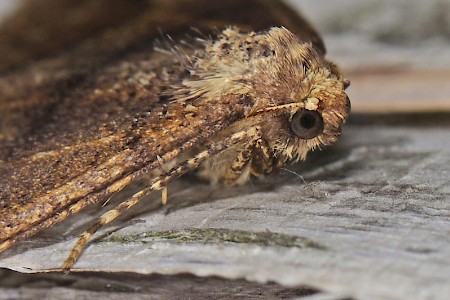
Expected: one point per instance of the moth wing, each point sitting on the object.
(61, 171)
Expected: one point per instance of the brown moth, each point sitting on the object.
(237, 104)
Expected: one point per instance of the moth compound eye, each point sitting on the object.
(307, 124)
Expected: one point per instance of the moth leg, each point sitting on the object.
(164, 189)
(156, 184)
(256, 152)
(243, 158)
(263, 159)
(164, 195)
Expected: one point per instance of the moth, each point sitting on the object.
(233, 105)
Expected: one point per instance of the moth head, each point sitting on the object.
(292, 92)
(300, 93)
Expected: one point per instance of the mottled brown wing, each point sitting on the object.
(81, 102)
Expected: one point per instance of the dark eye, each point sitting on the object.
(307, 124)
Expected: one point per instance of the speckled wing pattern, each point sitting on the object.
(78, 124)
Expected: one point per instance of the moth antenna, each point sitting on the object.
(164, 196)
(164, 192)
(156, 184)
(288, 106)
